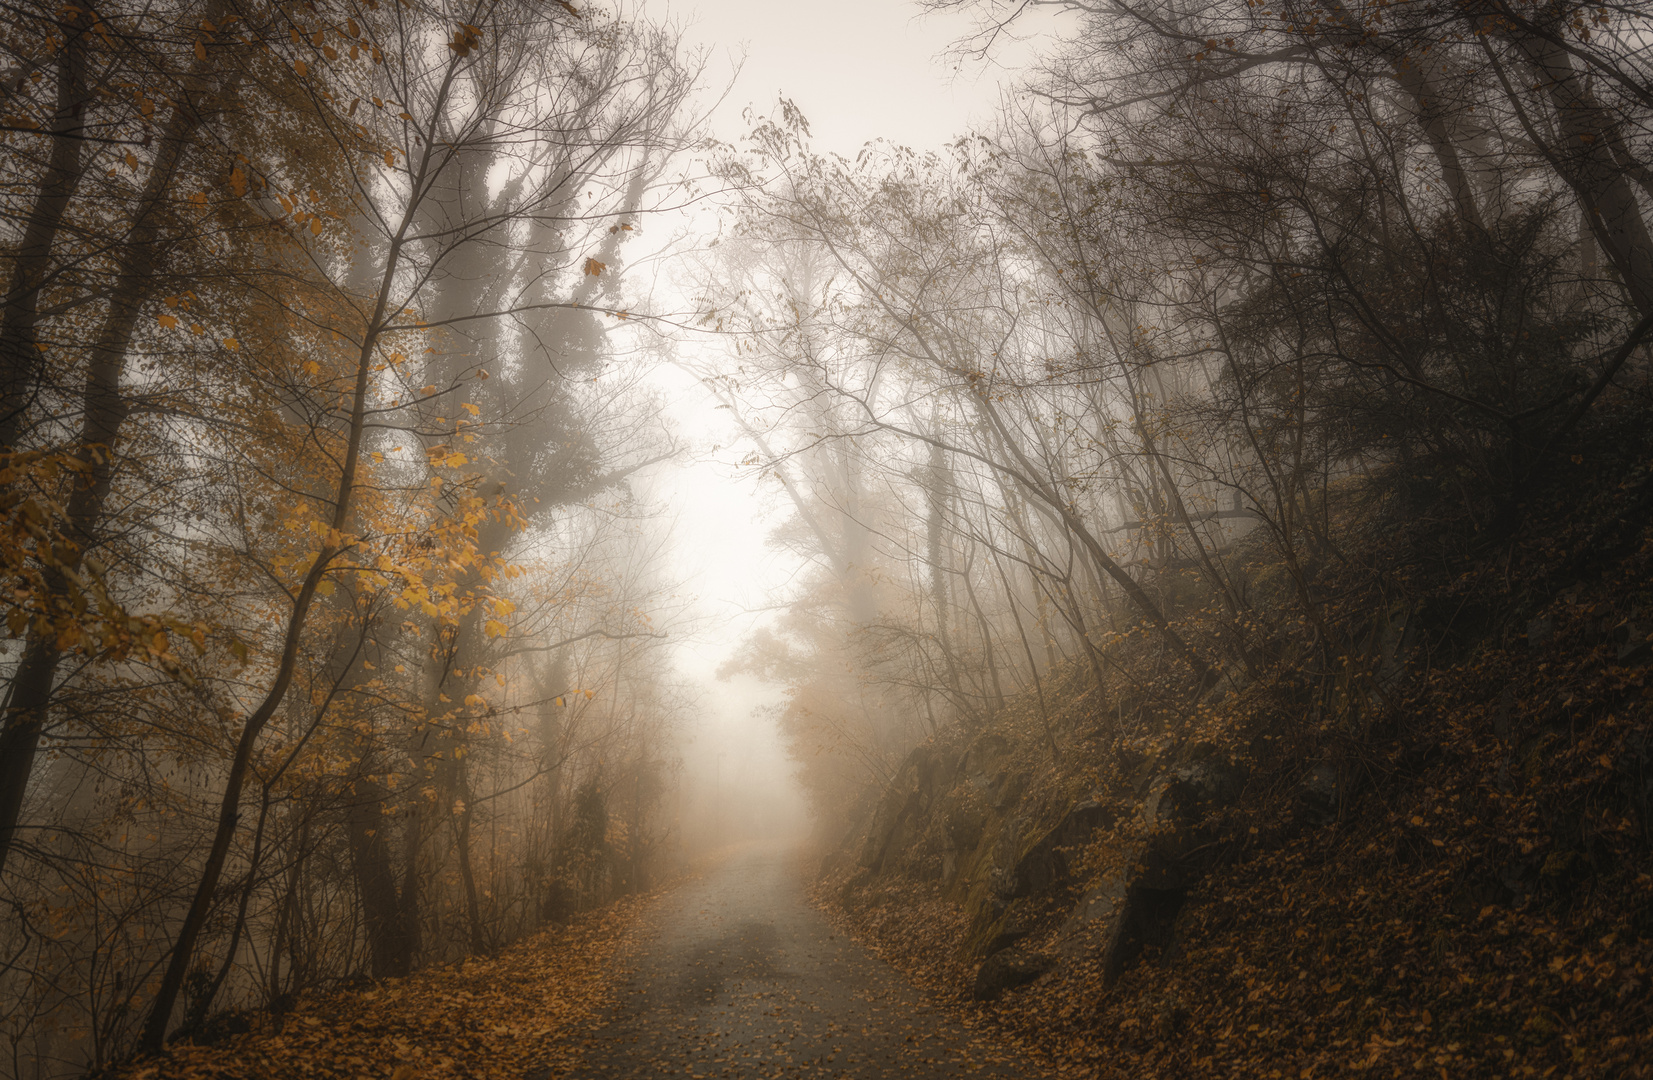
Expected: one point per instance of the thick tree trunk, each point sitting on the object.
(20, 354)
(104, 410)
(1584, 159)
(375, 881)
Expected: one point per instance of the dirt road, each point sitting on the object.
(738, 976)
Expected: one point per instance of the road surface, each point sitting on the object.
(737, 976)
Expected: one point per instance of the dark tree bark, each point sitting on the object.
(32, 265)
(104, 410)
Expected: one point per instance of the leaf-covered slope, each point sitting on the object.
(1463, 887)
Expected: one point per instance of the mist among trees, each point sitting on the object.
(1236, 421)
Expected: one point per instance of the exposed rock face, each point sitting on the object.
(903, 812)
(1006, 849)
(1007, 970)
(1135, 905)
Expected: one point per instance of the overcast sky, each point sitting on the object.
(859, 69)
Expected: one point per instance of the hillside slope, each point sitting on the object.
(1451, 880)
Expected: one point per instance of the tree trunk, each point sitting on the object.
(229, 812)
(375, 882)
(20, 354)
(1584, 159)
(104, 410)
(467, 873)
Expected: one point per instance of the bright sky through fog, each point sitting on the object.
(859, 70)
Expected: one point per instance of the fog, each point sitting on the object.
(739, 782)
(867, 70)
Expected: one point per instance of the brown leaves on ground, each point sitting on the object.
(509, 1016)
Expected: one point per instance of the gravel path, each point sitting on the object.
(736, 975)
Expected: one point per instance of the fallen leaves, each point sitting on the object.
(506, 1017)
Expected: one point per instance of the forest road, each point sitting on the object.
(738, 976)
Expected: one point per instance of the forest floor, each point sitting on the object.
(730, 972)
(513, 1016)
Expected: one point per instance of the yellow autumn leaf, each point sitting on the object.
(231, 344)
(301, 68)
(494, 628)
(315, 226)
(593, 268)
(324, 588)
(428, 390)
(476, 701)
(455, 460)
(168, 321)
(472, 409)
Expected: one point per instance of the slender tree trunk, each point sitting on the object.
(202, 1008)
(1070, 520)
(986, 639)
(467, 873)
(1033, 665)
(937, 490)
(285, 916)
(229, 812)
